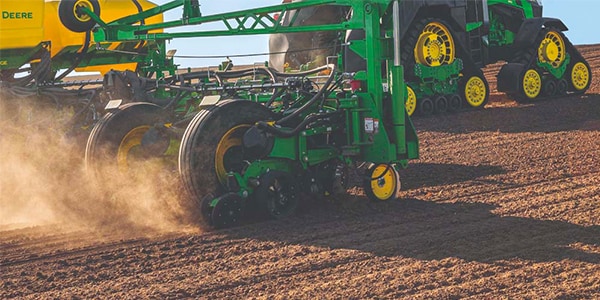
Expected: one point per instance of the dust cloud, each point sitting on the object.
(43, 179)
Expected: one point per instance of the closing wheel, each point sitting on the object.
(531, 84)
(552, 49)
(475, 91)
(228, 211)
(71, 14)
(425, 107)
(382, 182)
(580, 77)
(411, 101)
(211, 147)
(435, 46)
(277, 194)
(120, 138)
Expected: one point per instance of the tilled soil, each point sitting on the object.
(504, 203)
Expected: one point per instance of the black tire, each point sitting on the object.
(454, 103)
(425, 107)
(562, 87)
(441, 105)
(199, 145)
(550, 88)
(105, 139)
(277, 194)
(228, 212)
(70, 18)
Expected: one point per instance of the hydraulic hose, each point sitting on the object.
(290, 133)
(310, 102)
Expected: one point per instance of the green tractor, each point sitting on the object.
(253, 140)
(446, 43)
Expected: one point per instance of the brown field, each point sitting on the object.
(504, 203)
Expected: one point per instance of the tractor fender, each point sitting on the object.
(531, 27)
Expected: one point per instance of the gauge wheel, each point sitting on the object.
(72, 17)
(115, 142)
(212, 146)
(382, 182)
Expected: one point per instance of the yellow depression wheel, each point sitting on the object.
(128, 146)
(475, 91)
(532, 84)
(411, 101)
(552, 49)
(229, 151)
(382, 183)
(435, 46)
(580, 76)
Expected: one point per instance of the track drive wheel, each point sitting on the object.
(551, 49)
(277, 194)
(211, 147)
(71, 15)
(475, 91)
(411, 101)
(116, 140)
(580, 77)
(382, 182)
(435, 45)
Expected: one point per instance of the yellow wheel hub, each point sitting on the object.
(128, 146)
(230, 140)
(552, 49)
(81, 4)
(384, 182)
(580, 76)
(435, 46)
(532, 84)
(411, 101)
(475, 91)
